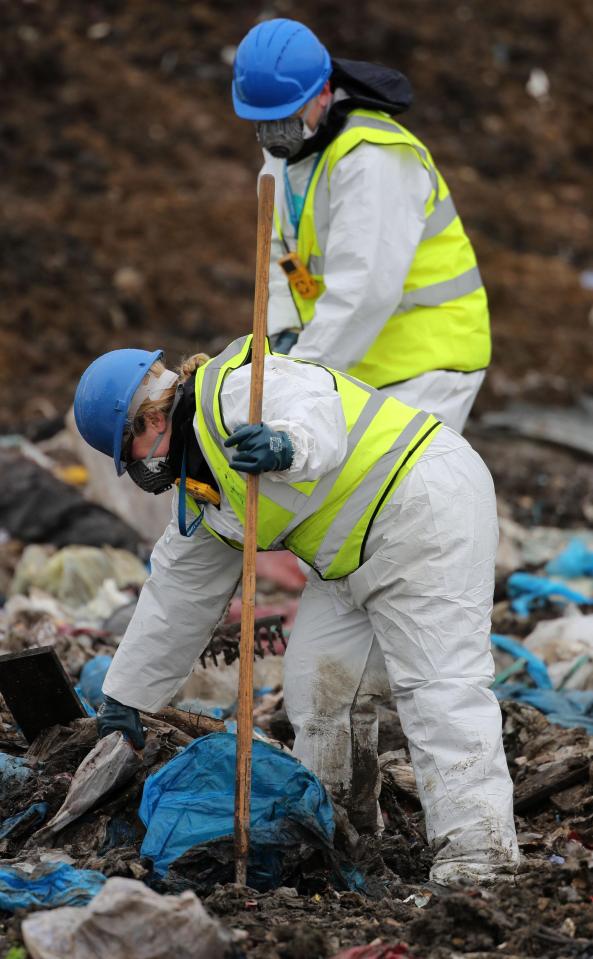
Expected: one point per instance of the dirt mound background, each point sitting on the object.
(127, 201)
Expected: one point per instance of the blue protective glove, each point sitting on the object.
(285, 341)
(260, 449)
(112, 716)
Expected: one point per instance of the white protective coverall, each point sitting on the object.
(377, 204)
(420, 604)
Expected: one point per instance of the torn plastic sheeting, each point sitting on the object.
(528, 592)
(92, 677)
(32, 816)
(111, 763)
(48, 885)
(126, 920)
(569, 709)
(190, 801)
(535, 666)
(14, 771)
(576, 560)
(89, 710)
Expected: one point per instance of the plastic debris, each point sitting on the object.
(576, 560)
(75, 574)
(112, 762)
(528, 592)
(190, 801)
(126, 920)
(31, 816)
(92, 677)
(533, 664)
(48, 884)
(564, 708)
(14, 771)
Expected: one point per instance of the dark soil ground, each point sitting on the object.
(127, 202)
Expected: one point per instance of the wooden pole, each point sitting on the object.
(265, 212)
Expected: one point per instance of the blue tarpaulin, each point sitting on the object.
(527, 592)
(190, 801)
(51, 885)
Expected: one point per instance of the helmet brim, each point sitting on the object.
(120, 465)
(248, 111)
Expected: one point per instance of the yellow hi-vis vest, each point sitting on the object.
(326, 521)
(442, 321)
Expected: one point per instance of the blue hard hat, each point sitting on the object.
(280, 65)
(104, 394)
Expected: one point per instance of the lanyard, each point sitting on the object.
(181, 506)
(294, 202)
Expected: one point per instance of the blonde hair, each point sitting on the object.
(190, 364)
(163, 404)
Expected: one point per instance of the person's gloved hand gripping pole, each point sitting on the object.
(260, 449)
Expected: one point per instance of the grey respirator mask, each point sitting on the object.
(281, 138)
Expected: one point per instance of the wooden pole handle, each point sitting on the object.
(265, 212)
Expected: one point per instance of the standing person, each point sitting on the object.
(397, 515)
(372, 271)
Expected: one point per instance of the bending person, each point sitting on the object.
(394, 511)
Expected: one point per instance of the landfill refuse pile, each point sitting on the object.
(95, 835)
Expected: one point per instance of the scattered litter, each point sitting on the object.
(91, 679)
(75, 574)
(533, 664)
(564, 708)
(47, 884)
(126, 920)
(36, 507)
(528, 592)
(32, 816)
(576, 560)
(112, 763)
(14, 771)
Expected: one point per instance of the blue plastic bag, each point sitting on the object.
(50, 885)
(535, 666)
(190, 801)
(14, 771)
(576, 560)
(92, 677)
(32, 815)
(528, 592)
(564, 708)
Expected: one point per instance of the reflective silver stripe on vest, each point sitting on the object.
(209, 384)
(438, 293)
(282, 494)
(325, 484)
(442, 216)
(354, 508)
